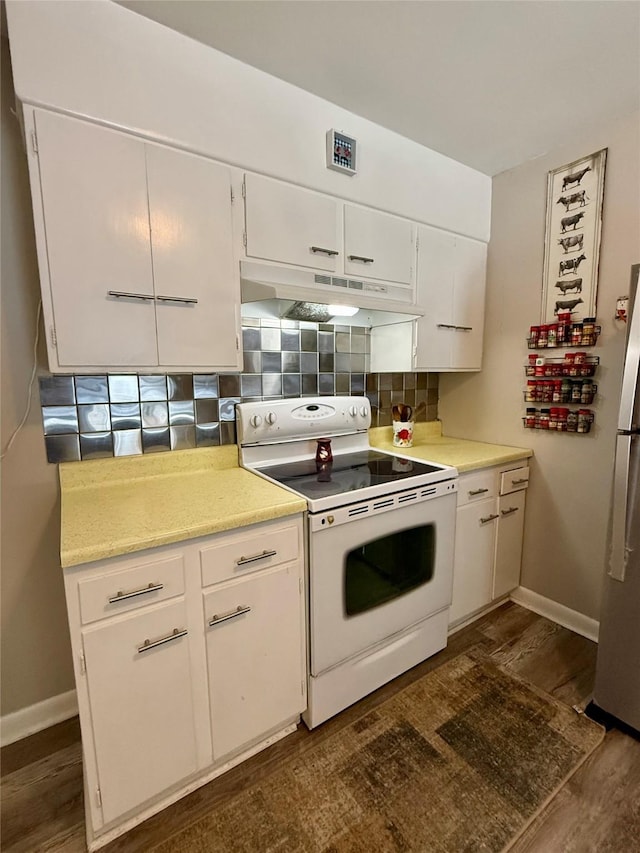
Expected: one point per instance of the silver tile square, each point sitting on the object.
(357, 383)
(343, 384)
(343, 362)
(326, 362)
(205, 385)
(271, 362)
(59, 420)
(343, 342)
(252, 362)
(270, 340)
(92, 389)
(271, 384)
(125, 416)
(309, 383)
(270, 322)
(229, 384)
(62, 448)
(207, 435)
(308, 362)
(309, 340)
(127, 442)
(251, 339)
(228, 433)
(357, 363)
(251, 321)
(56, 391)
(154, 415)
(181, 413)
(291, 385)
(94, 418)
(326, 342)
(123, 388)
(291, 362)
(358, 343)
(182, 437)
(250, 386)
(96, 445)
(155, 440)
(228, 408)
(307, 324)
(180, 386)
(206, 411)
(290, 340)
(152, 387)
(290, 324)
(326, 384)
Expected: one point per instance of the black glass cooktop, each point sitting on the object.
(348, 472)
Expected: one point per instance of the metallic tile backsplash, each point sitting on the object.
(87, 417)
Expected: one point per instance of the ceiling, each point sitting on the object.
(490, 83)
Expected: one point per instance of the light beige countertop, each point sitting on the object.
(430, 445)
(117, 506)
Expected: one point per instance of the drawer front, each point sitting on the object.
(137, 585)
(513, 481)
(477, 487)
(236, 555)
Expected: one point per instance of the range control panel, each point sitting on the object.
(281, 420)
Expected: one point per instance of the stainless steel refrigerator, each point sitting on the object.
(617, 687)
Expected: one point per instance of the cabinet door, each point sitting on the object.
(197, 286)
(142, 707)
(378, 245)
(473, 559)
(434, 294)
(96, 222)
(468, 303)
(254, 657)
(291, 225)
(509, 543)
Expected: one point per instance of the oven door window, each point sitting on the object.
(388, 568)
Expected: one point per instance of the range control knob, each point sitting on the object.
(353, 411)
(364, 411)
(271, 418)
(255, 420)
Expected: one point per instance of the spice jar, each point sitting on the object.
(576, 334)
(576, 393)
(530, 420)
(588, 331)
(572, 421)
(565, 396)
(530, 394)
(547, 392)
(563, 416)
(543, 337)
(539, 366)
(553, 418)
(557, 390)
(580, 358)
(586, 395)
(534, 334)
(544, 418)
(585, 417)
(552, 334)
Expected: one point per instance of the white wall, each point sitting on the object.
(99, 60)
(568, 500)
(36, 652)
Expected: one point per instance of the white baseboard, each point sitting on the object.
(578, 622)
(35, 718)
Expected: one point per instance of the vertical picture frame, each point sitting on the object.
(575, 194)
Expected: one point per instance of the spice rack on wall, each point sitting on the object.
(562, 383)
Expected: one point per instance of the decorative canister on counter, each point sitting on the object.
(402, 433)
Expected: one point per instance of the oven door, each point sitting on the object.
(374, 574)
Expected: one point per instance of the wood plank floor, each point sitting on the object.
(597, 810)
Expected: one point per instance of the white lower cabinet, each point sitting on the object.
(168, 700)
(254, 637)
(488, 543)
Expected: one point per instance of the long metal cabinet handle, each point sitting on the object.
(319, 250)
(445, 326)
(491, 517)
(226, 616)
(263, 556)
(477, 492)
(361, 258)
(509, 511)
(519, 482)
(185, 299)
(464, 328)
(174, 635)
(122, 596)
(125, 294)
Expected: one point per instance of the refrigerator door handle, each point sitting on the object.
(621, 510)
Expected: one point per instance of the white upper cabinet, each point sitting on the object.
(291, 225)
(451, 279)
(378, 245)
(135, 251)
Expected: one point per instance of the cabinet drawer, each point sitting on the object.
(135, 586)
(513, 481)
(237, 555)
(477, 487)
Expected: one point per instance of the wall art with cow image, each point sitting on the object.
(575, 195)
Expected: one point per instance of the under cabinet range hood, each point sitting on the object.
(279, 292)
